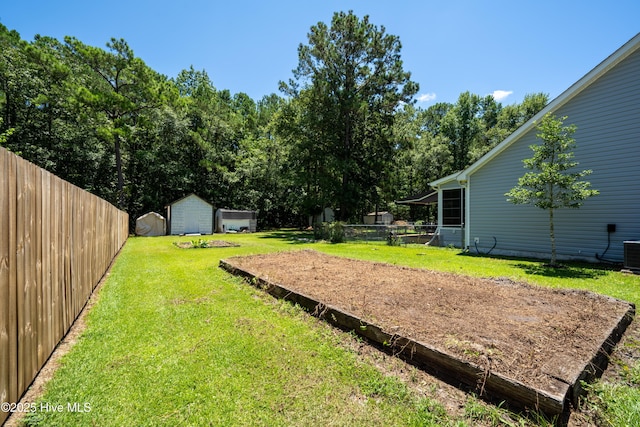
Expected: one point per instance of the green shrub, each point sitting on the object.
(199, 243)
(330, 231)
(393, 239)
(336, 232)
(321, 231)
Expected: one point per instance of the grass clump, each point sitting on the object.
(616, 405)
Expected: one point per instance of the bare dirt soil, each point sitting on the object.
(531, 334)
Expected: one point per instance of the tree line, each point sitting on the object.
(344, 133)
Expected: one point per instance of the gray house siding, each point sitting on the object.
(607, 115)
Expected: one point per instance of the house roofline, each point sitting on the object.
(612, 60)
(449, 178)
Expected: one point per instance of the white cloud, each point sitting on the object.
(426, 97)
(499, 95)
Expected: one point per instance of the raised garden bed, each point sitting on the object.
(527, 345)
(201, 243)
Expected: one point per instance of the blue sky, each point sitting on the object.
(507, 48)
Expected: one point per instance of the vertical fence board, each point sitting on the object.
(21, 280)
(75, 256)
(13, 277)
(55, 259)
(46, 319)
(37, 278)
(8, 327)
(31, 367)
(56, 242)
(4, 282)
(67, 206)
(27, 295)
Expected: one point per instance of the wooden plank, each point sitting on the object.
(8, 330)
(32, 250)
(39, 324)
(67, 207)
(46, 328)
(56, 296)
(554, 400)
(21, 269)
(4, 281)
(78, 259)
(81, 257)
(88, 240)
(105, 233)
(91, 236)
(29, 343)
(13, 279)
(598, 363)
(72, 220)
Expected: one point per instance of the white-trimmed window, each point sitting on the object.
(453, 207)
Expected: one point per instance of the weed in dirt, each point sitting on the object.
(200, 243)
(481, 413)
(429, 412)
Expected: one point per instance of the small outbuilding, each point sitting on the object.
(151, 224)
(327, 215)
(190, 215)
(229, 220)
(384, 218)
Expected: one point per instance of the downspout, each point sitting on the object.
(464, 236)
(439, 227)
(467, 213)
(168, 220)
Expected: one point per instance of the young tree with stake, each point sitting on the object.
(552, 182)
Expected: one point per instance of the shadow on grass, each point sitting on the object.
(292, 236)
(567, 270)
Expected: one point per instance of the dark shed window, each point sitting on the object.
(452, 207)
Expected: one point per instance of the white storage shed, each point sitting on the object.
(384, 218)
(235, 220)
(327, 215)
(190, 215)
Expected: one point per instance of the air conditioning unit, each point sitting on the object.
(632, 254)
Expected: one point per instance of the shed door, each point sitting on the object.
(191, 223)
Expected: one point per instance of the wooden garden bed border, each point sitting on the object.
(492, 385)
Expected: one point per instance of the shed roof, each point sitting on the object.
(234, 210)
(187, 196)
(236, 214)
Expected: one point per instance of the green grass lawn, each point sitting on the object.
(174, 340)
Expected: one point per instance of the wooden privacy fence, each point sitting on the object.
(56, 243)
